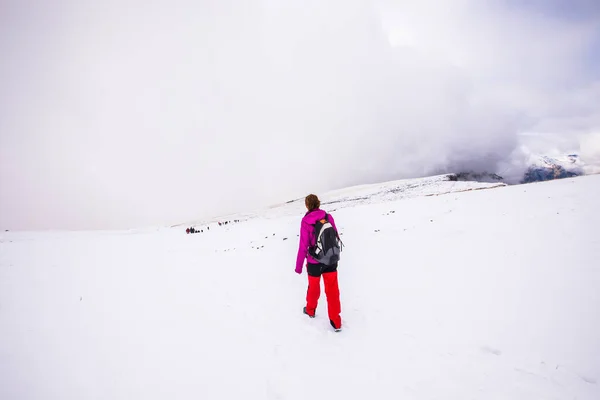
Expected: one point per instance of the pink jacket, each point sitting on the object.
(307, 238)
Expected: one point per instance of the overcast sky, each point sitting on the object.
(123, 113)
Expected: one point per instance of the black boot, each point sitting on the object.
(334, 327)
(304, 311)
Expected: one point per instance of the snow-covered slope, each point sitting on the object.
(365, 194)
(488, 294)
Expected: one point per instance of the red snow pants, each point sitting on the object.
(332, 292)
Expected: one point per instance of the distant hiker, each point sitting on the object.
(319, 246)
(187, 230)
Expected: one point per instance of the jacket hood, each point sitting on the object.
(313, 216)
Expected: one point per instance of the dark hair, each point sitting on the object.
(312, 202)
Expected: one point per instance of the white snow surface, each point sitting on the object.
(487, 294)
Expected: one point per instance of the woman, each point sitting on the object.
(314, 268)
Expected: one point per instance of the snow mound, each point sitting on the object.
(375, 194)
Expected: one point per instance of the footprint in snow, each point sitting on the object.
(490, 350)
(587, 379)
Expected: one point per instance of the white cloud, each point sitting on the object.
(127, 113)
(590, 151)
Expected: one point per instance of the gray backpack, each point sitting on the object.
(328, 245)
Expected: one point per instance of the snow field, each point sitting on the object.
(490, 294)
